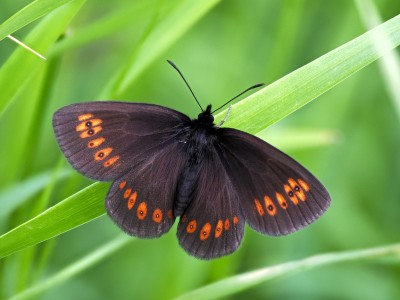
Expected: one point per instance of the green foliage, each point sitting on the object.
(117, 50)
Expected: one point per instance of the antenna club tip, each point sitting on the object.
(171, 63)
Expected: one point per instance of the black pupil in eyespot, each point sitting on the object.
(297, 188)
(290, 194)
(101, 154)
(88, 124)
(90, 131)
(270, 207)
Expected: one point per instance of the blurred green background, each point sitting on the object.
(354, 145)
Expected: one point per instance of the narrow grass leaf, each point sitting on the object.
(235, 284)
(169, 30)
(17, 194)
(75, 268)
(390, 62)
(28, 14)
(23, 64)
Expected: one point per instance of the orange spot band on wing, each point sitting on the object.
(91, 132)
(235, 220)
(127, 193)
(88, 124)
(304, 185)
(191, 226)
(269, 204)
(281, 200)
(95, 143)
(259, 207)
(111, 161)
(142, 211)
(132, 200)
(85, 117)
(227, 224)
(122, 185)
(170, 214)
(218, 229)
(297, 189)
(157, 215)
(103, 153)
(205, 231)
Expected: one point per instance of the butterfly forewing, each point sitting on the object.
(213, 223)
(278, 195)
(103, 140)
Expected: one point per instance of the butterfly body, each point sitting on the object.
(198, 137)
(166, 166)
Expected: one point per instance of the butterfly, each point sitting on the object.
(164, 165)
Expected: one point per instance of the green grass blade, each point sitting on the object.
(256, 112)
(164, 35)
(23, 64)
(114, 22)
(75, 268)
(235, 284)
(291, 92)
(390, 63)
(17, 194)
(76, 210)
(28, 14)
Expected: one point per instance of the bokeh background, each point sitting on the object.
(352, 146)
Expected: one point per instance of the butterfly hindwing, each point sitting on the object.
(141, 201)
(102, 140)
(278, 195)
(213, 224)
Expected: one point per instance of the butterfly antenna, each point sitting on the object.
(180, 73)
(245, 91)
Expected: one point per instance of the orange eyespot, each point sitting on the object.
(227, 224)
(291, 194)
(85, 117)
(95, 143)
(205, 231)
(191, 227)
(269, 204)
(111, 161)
(88, 124)
(142, 211)
(103, 153)
(218, 229)
(91, 132)
(235, 220)
(157, 215)
(132, 200)
(122, 185)
(281, 200)
(304, 185)
(259, 207)
(127, 193)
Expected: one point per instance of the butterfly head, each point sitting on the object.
(206, 117)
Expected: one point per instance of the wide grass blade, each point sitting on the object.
(76, 210)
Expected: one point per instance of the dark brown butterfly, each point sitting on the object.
(164, 165)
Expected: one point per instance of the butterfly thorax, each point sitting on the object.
(201, 134)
